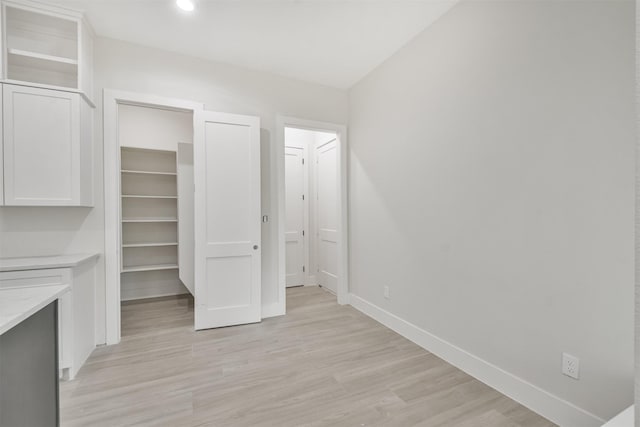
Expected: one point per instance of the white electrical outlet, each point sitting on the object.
(386, 292)
(570, 366)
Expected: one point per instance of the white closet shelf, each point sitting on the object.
(149, 219)
(42, 57)
(138, 196)
(149, 245)
(148, 172)
(149, 268)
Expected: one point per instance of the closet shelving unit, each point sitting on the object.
(149, 210)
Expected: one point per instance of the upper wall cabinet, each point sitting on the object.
(46, 161)
(46, 46)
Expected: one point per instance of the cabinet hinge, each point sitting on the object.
(303, 160)
(303, 197)
(303, 268)
(302, 233)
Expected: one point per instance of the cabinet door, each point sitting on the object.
(41, 147)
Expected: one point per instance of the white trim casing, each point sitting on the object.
(538, 400)
(111, 99)
(343, 247)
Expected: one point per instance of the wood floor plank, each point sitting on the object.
(320, 365)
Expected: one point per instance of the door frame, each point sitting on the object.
(283, 122)
(112, 236)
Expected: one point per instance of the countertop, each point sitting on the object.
(17, 304)
(43, 262)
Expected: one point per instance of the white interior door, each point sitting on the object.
(327, 218)
(294, 217)
(227, 220)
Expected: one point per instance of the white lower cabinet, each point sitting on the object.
(75, 318)
(48, 158)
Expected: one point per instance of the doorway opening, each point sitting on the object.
(146, 141)
(310, 208)
(156, 199)
(313, 206)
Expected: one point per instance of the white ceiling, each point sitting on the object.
(331, 42)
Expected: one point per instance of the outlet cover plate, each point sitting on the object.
(570, 366)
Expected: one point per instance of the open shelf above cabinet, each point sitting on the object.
(47, 46)
(42, 57)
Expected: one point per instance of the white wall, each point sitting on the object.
(491, 187)
(224, 88)
(153, 128)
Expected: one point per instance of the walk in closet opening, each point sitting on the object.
(156, 214)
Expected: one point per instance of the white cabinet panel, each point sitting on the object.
(45, 161)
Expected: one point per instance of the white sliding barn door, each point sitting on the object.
(227, 220)
(294, 217)
(327, 214)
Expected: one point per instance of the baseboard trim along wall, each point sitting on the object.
(542, 402)
(272, 310)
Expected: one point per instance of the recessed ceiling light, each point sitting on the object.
(185, 5)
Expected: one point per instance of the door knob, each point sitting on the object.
(255, 247)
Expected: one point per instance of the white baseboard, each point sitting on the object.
(273, 310)
(538, 400)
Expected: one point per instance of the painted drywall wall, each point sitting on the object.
(124, 66)
(153, 128)
(491, 188)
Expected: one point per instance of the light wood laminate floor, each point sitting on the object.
(320, 365)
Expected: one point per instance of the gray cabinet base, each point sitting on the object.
(29, 371)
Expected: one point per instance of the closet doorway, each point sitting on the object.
(313, 206)
(149, 203)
